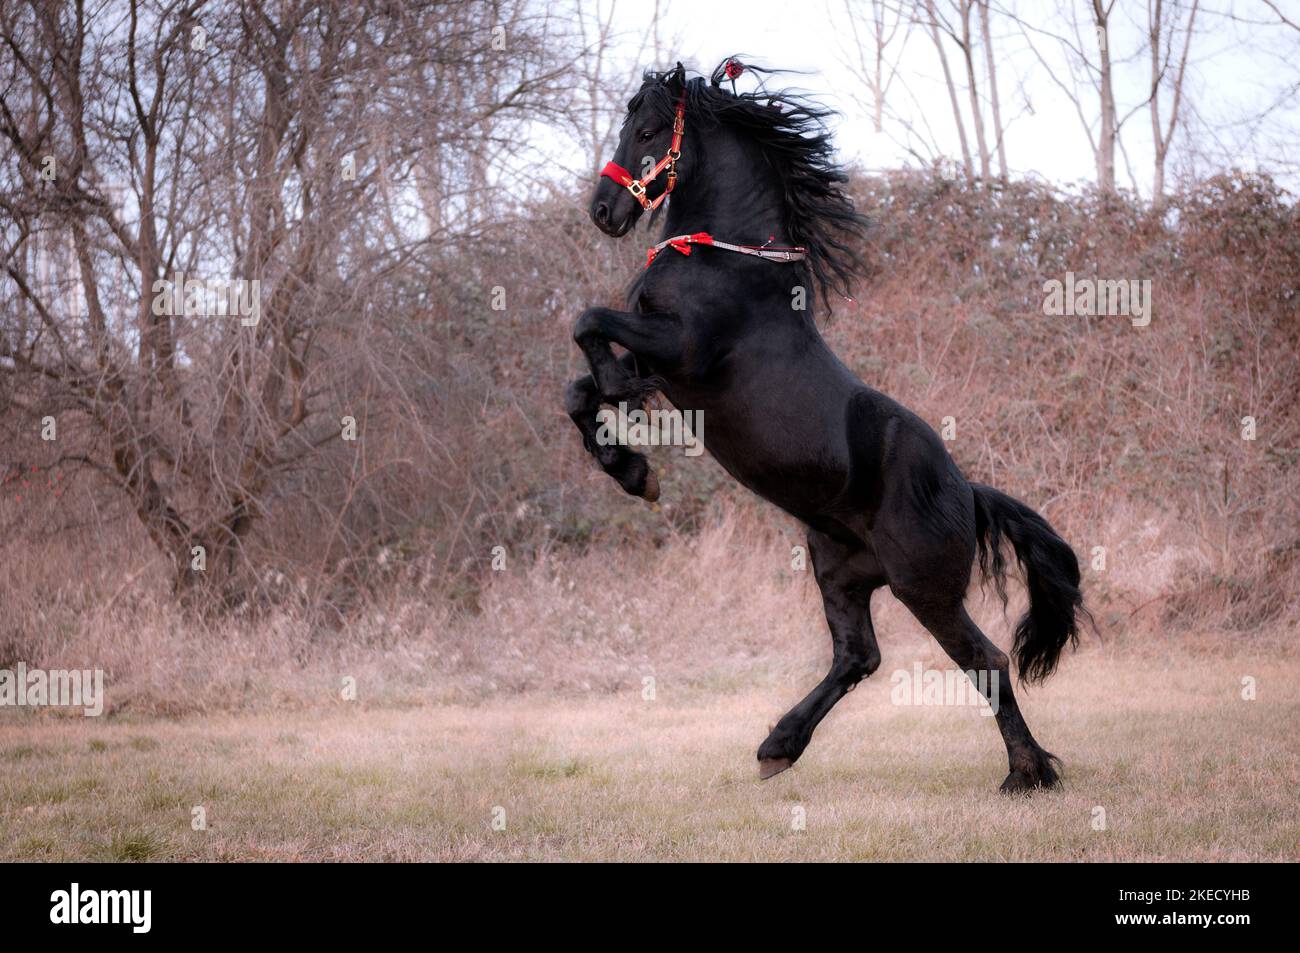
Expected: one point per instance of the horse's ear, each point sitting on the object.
(676, 80)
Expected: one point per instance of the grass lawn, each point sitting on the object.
(1181, 765)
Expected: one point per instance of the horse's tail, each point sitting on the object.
(1051, 576)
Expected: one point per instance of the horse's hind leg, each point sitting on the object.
(847, 575)
(631, 469)
(989, 668)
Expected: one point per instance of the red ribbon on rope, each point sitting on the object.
(682, 244)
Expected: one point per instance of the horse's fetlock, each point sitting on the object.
(858, 669)
(997, 660)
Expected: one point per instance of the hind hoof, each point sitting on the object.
(771, 767)
(1018, 782)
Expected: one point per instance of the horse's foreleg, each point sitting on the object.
(631, 469)
(655, 336)
(614, 380)
(847, 576)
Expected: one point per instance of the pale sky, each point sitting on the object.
(1236, 69)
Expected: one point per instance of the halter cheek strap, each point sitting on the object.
(637, 187)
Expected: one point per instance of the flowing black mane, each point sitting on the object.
(791, 130)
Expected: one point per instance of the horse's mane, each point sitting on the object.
(791, 130)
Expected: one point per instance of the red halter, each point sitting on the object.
(683, 243)
(637, 187)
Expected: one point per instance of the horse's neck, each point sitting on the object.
(736, 199)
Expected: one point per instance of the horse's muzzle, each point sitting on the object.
(613, 211)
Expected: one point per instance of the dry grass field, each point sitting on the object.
(1184, 768)
(534, 704)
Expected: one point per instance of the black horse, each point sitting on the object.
(719, 330)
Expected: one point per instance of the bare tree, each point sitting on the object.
(609, 71)
(1165, 72)
(1105, 147)
(876, 28)
(990, 61)
(1088, 62)
(199, 287)
(932, 22)
(967, 48)
(952, 24)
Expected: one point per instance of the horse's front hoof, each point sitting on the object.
(651, 491)
(634, 474)
(771, 767)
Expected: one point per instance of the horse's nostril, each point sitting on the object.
(602, 214)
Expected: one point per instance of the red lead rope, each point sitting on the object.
(683, 243)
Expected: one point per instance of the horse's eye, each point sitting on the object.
(645, 135)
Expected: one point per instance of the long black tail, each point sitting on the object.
(1051, 576)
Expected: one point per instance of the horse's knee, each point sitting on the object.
(588, 324)
(579, 395)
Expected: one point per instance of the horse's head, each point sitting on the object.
(768, 157)
(645, 165)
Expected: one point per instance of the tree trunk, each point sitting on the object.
(1106, 139)
(952, 89)
(998, 131)
(977, 114)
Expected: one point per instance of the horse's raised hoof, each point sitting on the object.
(634, 474)
(771, 767)
(651, 491)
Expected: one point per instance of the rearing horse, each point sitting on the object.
(757, 214)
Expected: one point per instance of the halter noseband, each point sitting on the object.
(637, 187)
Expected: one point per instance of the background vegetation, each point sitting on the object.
(429, 297)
